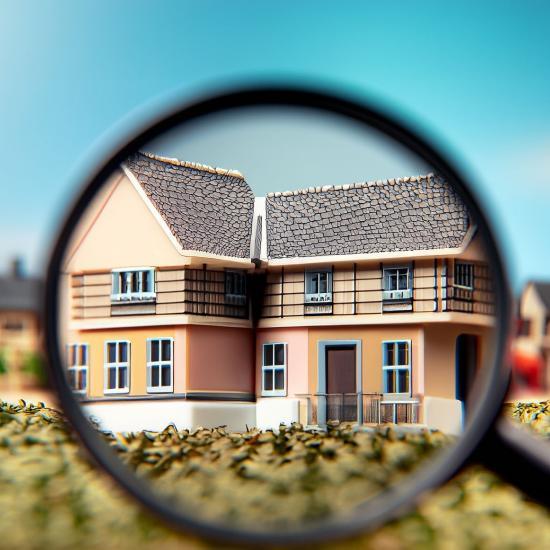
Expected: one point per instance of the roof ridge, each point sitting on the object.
(194, 165)
(345, 187)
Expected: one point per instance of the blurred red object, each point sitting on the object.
(527, 369)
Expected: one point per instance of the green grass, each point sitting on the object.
(51, 496)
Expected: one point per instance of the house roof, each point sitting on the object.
(20, 294)
(412, 213)
(212, 210)
(543, 290)
(207, 209)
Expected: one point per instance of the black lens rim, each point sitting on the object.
(389, 503)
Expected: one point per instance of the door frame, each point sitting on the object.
(322, 346)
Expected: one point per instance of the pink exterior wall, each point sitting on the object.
(297, 357)
(220, 359)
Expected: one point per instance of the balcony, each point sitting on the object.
(358, 408)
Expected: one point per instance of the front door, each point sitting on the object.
(341, 383)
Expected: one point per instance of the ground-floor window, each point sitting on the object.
(397, 367)
(117, 366)
(77, 366)
(274, 369)
(160, 353)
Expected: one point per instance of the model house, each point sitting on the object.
(191, 301)
(20, 298)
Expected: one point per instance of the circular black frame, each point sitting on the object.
(382, 507)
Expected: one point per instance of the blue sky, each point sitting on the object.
(474, 76)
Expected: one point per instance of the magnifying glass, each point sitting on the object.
(293, 347)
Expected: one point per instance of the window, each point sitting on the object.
(397, 283)
(235, 287)
(397, 367)
(77, 366)
(318, 286)
(13, 325)
(133, 284)
(274, 370)
(160, 353)
(464, 275)
(117, 367)
(524, 327)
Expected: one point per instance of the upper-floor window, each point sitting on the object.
(160, 371)
(274, 369)
(235, 287)
(524, 327)
(396, 367)
(117, 366)
(133, 284)
(13, 325)
(77, 366)
(318, 286)
(464, 275)
(397, 283)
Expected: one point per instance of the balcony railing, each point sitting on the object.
(360, 408)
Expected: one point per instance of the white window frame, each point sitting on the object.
(397, 293)
(273, 368)
(117, 365)
(138, 295)
(160, 363)
(318, 297)
(77, 368)
(407, 367)
(471, 274)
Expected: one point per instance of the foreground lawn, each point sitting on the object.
(50, 495)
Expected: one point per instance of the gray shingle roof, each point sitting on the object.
(418, 213)
(207, 209)
(20, 294)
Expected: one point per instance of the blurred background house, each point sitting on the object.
(21, 363)
(531, 349)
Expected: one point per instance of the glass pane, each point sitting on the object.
(323, 282)
(154, 350)
(389, 358)
(389, 384)
(123, 352)
(403, 381)
(134, 283)
(83, 379)
(403, 279)
(268, 355)
(83, 355)
(145, 281)
(155, 376)
(122, 377)
(166, 376)
(402, 353)
(72, 379)
(123, 283)
(111, 383)
(111, 353)
(279, 354)
(312, 283)
(268, 380)
(166, 350)
(279, 379)
(72, 355)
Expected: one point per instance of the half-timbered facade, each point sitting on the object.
(192, 300)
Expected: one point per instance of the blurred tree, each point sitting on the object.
(3, 362)
(33, 364)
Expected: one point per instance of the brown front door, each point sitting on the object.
(341, 383)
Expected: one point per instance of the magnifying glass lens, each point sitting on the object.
(274, 316)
